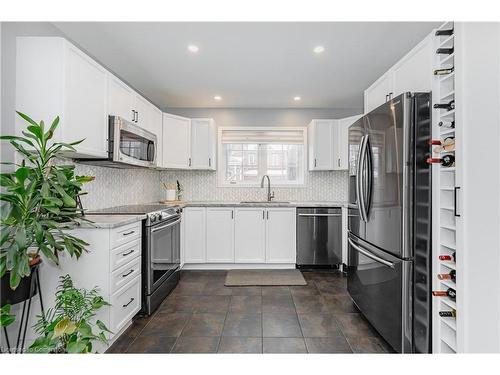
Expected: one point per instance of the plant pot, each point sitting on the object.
(22, 292)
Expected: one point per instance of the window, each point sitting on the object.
(247, 154)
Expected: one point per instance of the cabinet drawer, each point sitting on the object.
(124, 234)
(124, 254)
(124, 274)
(125, 304)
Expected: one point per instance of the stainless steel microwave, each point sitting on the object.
(128, 146)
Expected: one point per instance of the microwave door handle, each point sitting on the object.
(370, 255)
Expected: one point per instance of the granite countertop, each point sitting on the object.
(110, 221)
(276, 203)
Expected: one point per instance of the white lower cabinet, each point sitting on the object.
(112, 265)
(195, 235)
(280, 235)
(250, 235)
(239, 235)
(220, 235)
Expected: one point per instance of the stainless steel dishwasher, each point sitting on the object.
(319, 237)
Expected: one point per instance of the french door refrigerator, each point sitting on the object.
(389, 214)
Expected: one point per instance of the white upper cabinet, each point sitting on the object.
(341, 142)
(203, 143)
(120, 99)
(320, 138)
(379, 92)
(176, 142)
(250, 235)
(54, 78)
(412, 73)
(280, 235)
(220, 235)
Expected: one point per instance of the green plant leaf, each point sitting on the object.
(6, 318)
(77, 346)
(102, 326)
(27, 118)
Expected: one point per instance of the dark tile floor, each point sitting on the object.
(203, 316)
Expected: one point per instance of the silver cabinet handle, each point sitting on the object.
(455, 201)
(128, 233)
(209, 162)
(338, 162)
(232, 214)
(370, 255)
(189, 162)
(263, 215)
(127, 253)
(267, 215)
(133, 115)
(315, 162)
(129, 302)
(136, 116)
(319, 215)
(128, 273)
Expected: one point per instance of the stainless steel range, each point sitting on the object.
(160, 250)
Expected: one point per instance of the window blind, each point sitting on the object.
(275, 135)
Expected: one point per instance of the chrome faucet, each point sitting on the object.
(270, 195)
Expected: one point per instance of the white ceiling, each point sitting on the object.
(251, 65)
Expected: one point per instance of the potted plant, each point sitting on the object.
(69, 326)
(38, 206)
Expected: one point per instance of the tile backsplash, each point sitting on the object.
(202, 186)
(115, 187)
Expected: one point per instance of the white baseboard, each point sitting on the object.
(237, 266)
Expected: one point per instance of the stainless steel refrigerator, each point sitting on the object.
(389, 240)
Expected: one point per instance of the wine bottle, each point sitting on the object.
(447, 276)
(444, 32)
(448, 106)
(448, 314)
(440, 72)
(448, 257)
(445, 51)
(446, 160)
(450, 292)
(450, 124)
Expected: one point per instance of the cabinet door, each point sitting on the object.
(280, 235)
(143, 111)
(85, 107)
(220, 235)
(200, 143)
(156, 127)
(321, 145)
(249, 235)
(376, 94)
(176, 141)
(194, 235)
(341, 142)
(120, 99)
(413, 72)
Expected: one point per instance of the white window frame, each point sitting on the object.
(221, 168)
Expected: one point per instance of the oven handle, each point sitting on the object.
(370, 255)
(166, 226)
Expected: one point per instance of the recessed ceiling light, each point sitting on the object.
(297, 98)
(192, 48)
(319, 49)
(218, 97)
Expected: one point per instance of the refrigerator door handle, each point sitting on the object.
(360, 179)
(369, 176)
(370, 255)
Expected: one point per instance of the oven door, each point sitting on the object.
(380, 285)
(163, 252)
(132, 144)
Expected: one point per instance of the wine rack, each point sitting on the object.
(444, 186)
